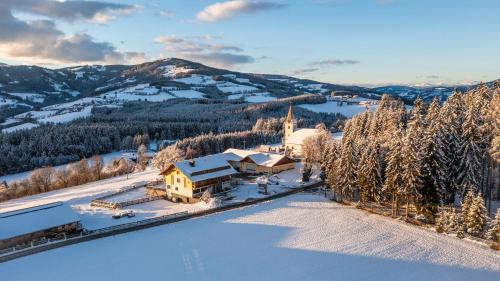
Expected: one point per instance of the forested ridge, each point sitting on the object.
(428, 158)
(111, 129)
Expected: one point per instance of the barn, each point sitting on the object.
(30, 224)
(253, 162)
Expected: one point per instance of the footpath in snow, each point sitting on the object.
(299, 237)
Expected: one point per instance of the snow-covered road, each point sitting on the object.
(300, 237)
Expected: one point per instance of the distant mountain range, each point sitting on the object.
(28, 88)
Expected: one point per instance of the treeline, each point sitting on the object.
(212, 143)
(426, 158)
(49, 179)
(111, 129)
(53, 145)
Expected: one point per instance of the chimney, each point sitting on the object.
(191, 162)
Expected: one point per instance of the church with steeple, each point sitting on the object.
(292, 136)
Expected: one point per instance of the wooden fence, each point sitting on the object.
(101, 202)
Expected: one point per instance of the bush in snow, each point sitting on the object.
(206, 196)
(442, 221)
(454, 223)
(448, 221)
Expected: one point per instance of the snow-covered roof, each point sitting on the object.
(266, 159)
(241, 153)
(299, 136)
(259, 158)
(207, 167)
(23, 221)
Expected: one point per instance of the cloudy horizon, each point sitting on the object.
(362, 42)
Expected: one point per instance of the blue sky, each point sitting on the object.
(364, 42)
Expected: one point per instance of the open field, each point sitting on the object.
(300, 237)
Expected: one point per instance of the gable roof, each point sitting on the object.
(206, 167)
(299, 136)
(28, 220)
(259, 158)
(239, 153)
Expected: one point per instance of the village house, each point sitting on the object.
(253, 162)
(293, 139)
(187, 180)
(37, 223)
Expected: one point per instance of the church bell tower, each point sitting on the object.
(288, 126)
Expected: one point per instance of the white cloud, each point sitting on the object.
(203, 49)
(334, 62)
(166, 13)
(41, 41)
(225, 10)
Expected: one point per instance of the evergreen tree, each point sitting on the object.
(394, 171)
(430, 191)
(329, 157)
(494, 229)
(472, 147)
(476, 219)
(449, 143)
(347, 169)
(466, 204)
(370, 173)
(412, 161)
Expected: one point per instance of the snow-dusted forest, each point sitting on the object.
(424, 162)
(112, 129)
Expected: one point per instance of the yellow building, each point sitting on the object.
(187, 180)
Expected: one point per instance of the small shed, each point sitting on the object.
(33, 223)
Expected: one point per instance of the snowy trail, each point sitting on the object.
(300, 237)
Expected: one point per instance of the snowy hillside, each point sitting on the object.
(26, 89)
(300, 237)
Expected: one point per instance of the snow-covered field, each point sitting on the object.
(197, 79)
(189, 94)
(229, 87)
(11, 102)
(20, 127)
(336, 107)
(253, 98)
(299, 237)
(30, 96)
(79, 197)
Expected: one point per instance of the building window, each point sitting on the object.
(176, 188)
(168, 186)
(288, 127)
(178, 180)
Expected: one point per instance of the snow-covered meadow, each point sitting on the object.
(299, 237)
(347, 110)
(79, 197)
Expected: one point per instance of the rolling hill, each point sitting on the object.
(42, 94)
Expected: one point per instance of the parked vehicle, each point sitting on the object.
(122, 214)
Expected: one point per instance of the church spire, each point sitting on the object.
(289, 118)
